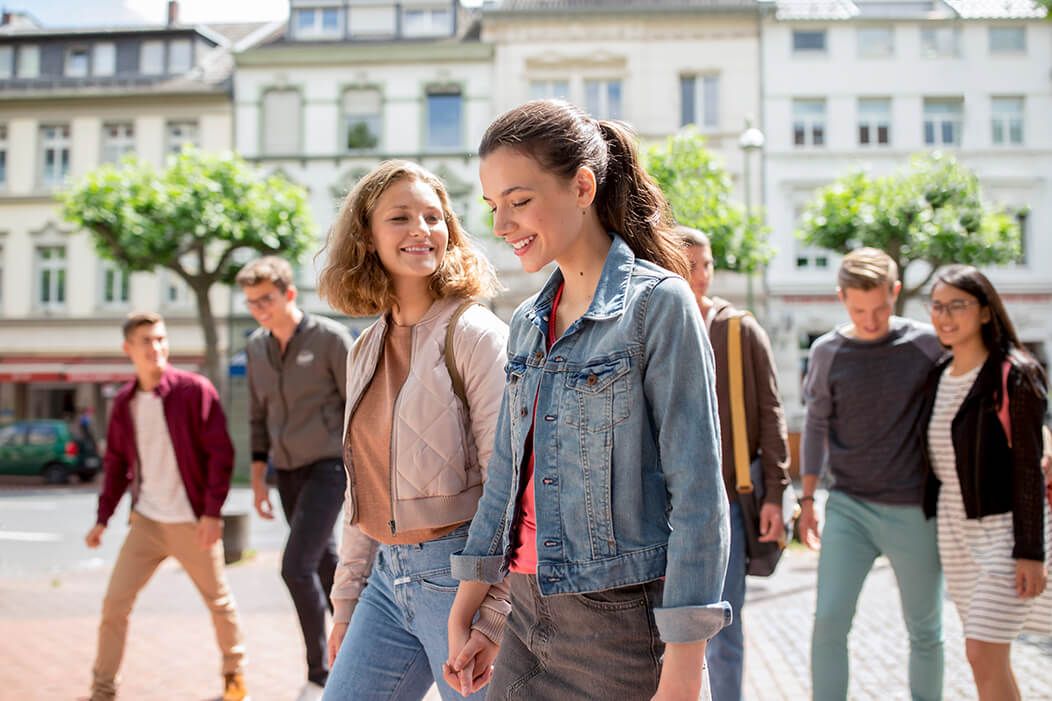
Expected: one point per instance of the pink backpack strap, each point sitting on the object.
(1003, 412)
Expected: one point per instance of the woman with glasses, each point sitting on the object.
(985, 482)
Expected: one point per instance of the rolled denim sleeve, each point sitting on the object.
(482, 559)
(688, 439)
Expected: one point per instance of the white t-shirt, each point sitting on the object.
(162, 494)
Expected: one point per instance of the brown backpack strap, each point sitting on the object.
(451, 365)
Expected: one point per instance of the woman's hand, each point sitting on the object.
(335, 640)
(470, 663)
(681, 673)
(1030, 578)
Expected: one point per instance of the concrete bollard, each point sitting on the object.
(235, 536)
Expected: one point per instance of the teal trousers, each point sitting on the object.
(856, 532)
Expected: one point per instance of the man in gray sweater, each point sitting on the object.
(863, 390)
(297, 379)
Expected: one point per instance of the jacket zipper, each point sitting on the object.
(394, 413)
(349, 464)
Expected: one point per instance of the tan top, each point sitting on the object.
(369, 440)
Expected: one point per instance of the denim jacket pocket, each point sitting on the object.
(602, 393)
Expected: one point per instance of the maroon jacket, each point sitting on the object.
(197, 426)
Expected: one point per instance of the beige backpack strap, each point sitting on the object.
(738, 430)
(451, 365)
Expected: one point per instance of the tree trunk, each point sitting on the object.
(212, 369)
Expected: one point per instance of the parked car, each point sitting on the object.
(47, 447)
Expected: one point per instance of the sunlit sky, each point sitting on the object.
(81, 13)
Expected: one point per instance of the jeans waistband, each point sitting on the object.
(421, 559)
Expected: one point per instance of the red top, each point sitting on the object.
(197, 427)
(524, 557)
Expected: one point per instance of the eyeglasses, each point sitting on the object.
(262, 302)
(953, 308)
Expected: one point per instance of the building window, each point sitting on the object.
(117, 141)
(29, 61)
(116, 284)
(174, 291)
(940, 42)
(876, 42)
(943, 119)
(1007, 40)
(54, 154)
(281, 122)
(372, 21)
(7, 59)
(444, 107)
(180, 56)
(549, 90)
(151, 58)
(105, 59)
(812, 258)
(181, 134)
(77, 62)
(1007, 120)
(809, 122)
(809, 40)
(602, 98)
(700, 100)
(361, 118)
(874, 121)
(51, 277)
(318, 22)
(3, 155)
(428, 22)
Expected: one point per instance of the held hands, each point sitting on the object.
(1030, 578)
(808, 524)
(261, 492)
(94, 537)
(339, 630)
(209, 530)
(471, 655)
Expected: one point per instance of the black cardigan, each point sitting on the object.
(994, 478)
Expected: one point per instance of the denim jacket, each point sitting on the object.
(626, 449)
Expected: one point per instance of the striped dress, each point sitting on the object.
(977, 554)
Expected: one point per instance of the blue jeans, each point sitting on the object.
(855, 534)
(312, 497)
(397, 641)
(725, 652)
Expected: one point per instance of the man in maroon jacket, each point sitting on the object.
(167, 439)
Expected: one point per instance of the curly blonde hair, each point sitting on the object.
(355, 282)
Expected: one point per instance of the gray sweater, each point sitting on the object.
(864, 400)
(296, 400)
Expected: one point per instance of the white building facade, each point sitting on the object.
(71, 100)
(869, 83)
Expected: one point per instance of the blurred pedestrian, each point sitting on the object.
(167, 439)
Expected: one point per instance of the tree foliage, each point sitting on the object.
(930, 212)
(201, 217)
(699, 191)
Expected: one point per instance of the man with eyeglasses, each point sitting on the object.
(863, 389)
(296, 365)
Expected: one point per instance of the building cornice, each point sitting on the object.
(292, 54)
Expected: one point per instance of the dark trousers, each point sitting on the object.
(311, 497)
(570, 647)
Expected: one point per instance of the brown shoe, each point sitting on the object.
(234, 688)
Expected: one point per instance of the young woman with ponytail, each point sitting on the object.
(604, 496)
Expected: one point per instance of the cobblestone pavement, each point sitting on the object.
(48, 626)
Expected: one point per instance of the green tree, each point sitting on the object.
(200, 217)
(699, 191)
(930, 212)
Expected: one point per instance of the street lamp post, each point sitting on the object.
(751, 139)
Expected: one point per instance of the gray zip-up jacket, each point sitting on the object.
(296, 401)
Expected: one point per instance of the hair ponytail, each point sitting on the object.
(562, 138)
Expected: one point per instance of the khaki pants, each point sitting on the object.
(148, 543)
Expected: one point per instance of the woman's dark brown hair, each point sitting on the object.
(563, 138)
(999, 334)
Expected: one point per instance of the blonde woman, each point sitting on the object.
(415, 455)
